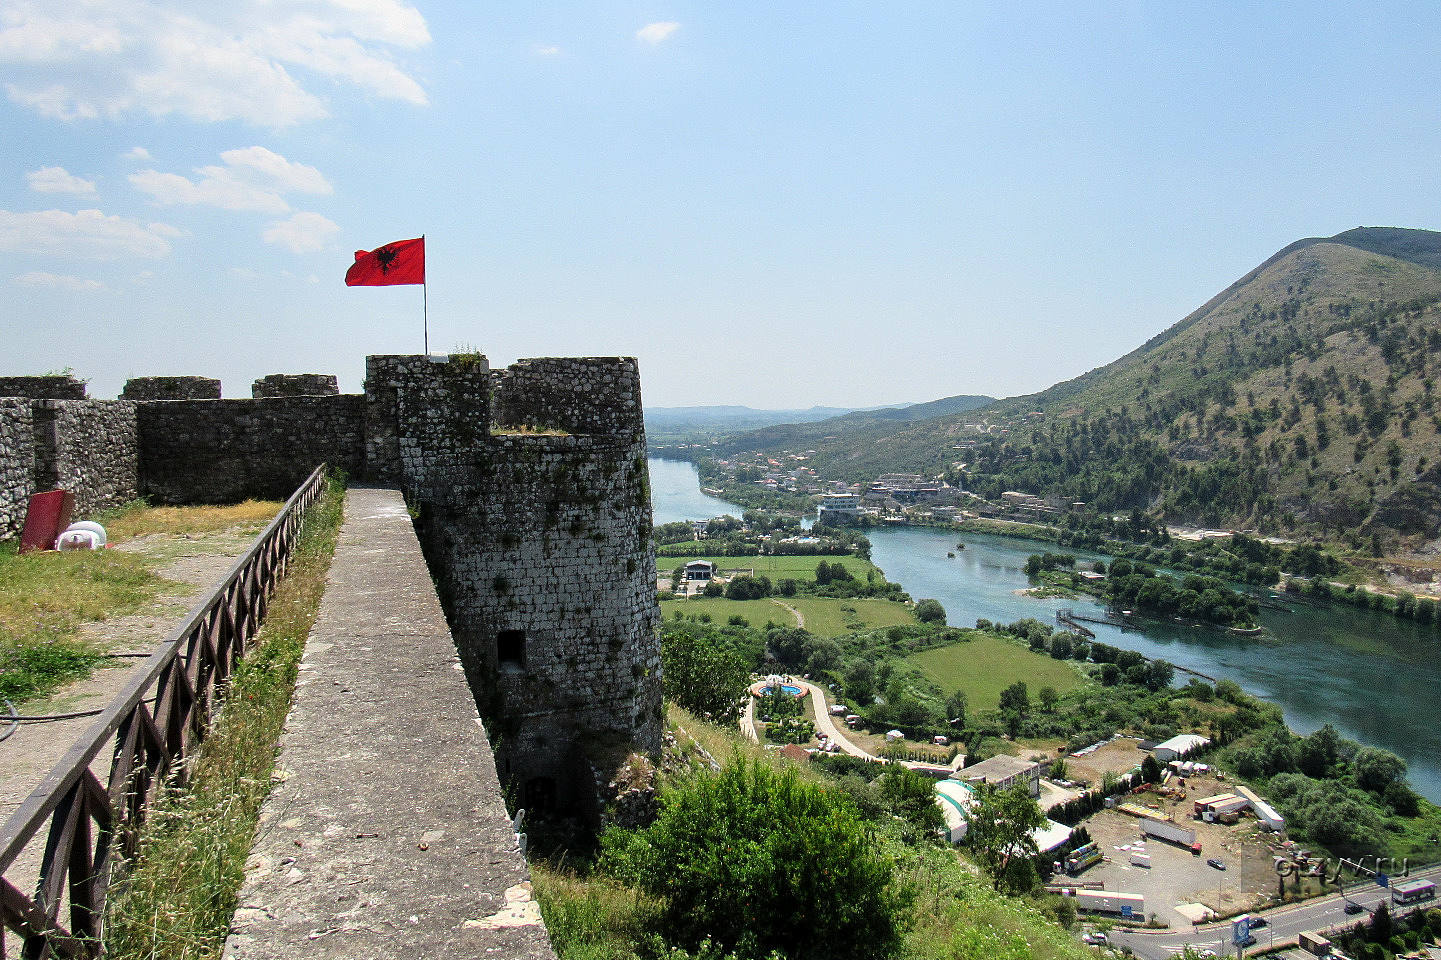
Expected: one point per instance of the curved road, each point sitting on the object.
(1284, 923)
(826, 725)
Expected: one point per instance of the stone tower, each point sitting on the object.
(533, 498)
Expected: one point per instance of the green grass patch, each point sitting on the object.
(45, 597)
(177, 900)
(824, 616)
(778, 568)
(720, 610)
(986, 664)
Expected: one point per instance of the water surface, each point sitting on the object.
(1376, 678)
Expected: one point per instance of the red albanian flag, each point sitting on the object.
(395, 263)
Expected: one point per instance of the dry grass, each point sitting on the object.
(176, 902)
(138, 520)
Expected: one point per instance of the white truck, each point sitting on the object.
(1163, 830)
(1129, 905)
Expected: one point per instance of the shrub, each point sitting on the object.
(759, 861)
(930, 611)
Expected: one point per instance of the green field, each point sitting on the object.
(830, 618)
(824, 616)
(987, 664)
(777, 568)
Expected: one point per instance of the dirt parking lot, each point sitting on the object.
(1175, 875)
(1118, 756)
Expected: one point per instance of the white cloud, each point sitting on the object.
(216, 187)
(250, 60)
(57, 180)
(285, 174)
(39, 278)
(547, 50)
(136, 153)
(655, 33)
(253, 178)
(88, 234)
(301, 232)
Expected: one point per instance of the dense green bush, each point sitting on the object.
(758, 861)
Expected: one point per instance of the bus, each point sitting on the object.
(1412, 891)
(1084, 856)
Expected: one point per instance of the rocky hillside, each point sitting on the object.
(1302, 398)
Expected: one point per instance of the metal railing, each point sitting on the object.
(155, 723)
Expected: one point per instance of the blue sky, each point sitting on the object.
(770, 204)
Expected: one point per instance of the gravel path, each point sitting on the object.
(800, 617)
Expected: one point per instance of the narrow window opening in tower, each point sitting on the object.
(510, 648)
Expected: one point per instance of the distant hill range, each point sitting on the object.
(671, 421)
(1301, 397)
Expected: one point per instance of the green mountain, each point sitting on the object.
(1301, 397)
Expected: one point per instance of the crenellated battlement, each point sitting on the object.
(531, 489)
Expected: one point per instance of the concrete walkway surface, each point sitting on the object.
(385, 835)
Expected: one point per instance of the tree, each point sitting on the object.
(912, 797)
(791, 646)
(1016, 699)
(930, 611)
(1159, 674)
(706, 679)
(1048, 697)
(825, 654)
(956, 708)
(860, 681)
(760, 861)
(1151, 769)
(1317, 754)
(748, 588)
(1376, 769)
(1110, 674)
(1000, 828)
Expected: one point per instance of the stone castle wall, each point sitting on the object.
(57, 387)
(171, 388)
(17, 471)
(224, 451)
(295, 385)
(532, 488)
(85, 446)
(541, 543)
(89, 448)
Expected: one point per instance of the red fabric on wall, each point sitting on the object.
(46, 517)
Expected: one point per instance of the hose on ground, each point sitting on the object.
(14, 719)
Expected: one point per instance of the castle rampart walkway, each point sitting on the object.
(385, 835)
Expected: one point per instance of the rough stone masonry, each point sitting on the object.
(531, 488)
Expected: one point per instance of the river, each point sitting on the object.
(1377, 679)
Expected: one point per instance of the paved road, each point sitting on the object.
(1284, 923)
(826, 725)
(748, 720)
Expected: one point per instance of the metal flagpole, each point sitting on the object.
(425, 304)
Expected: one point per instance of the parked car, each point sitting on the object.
(1219, 865)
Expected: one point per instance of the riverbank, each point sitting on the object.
(1362, 671)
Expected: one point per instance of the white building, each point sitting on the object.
(838, 507)
(1178, 747)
